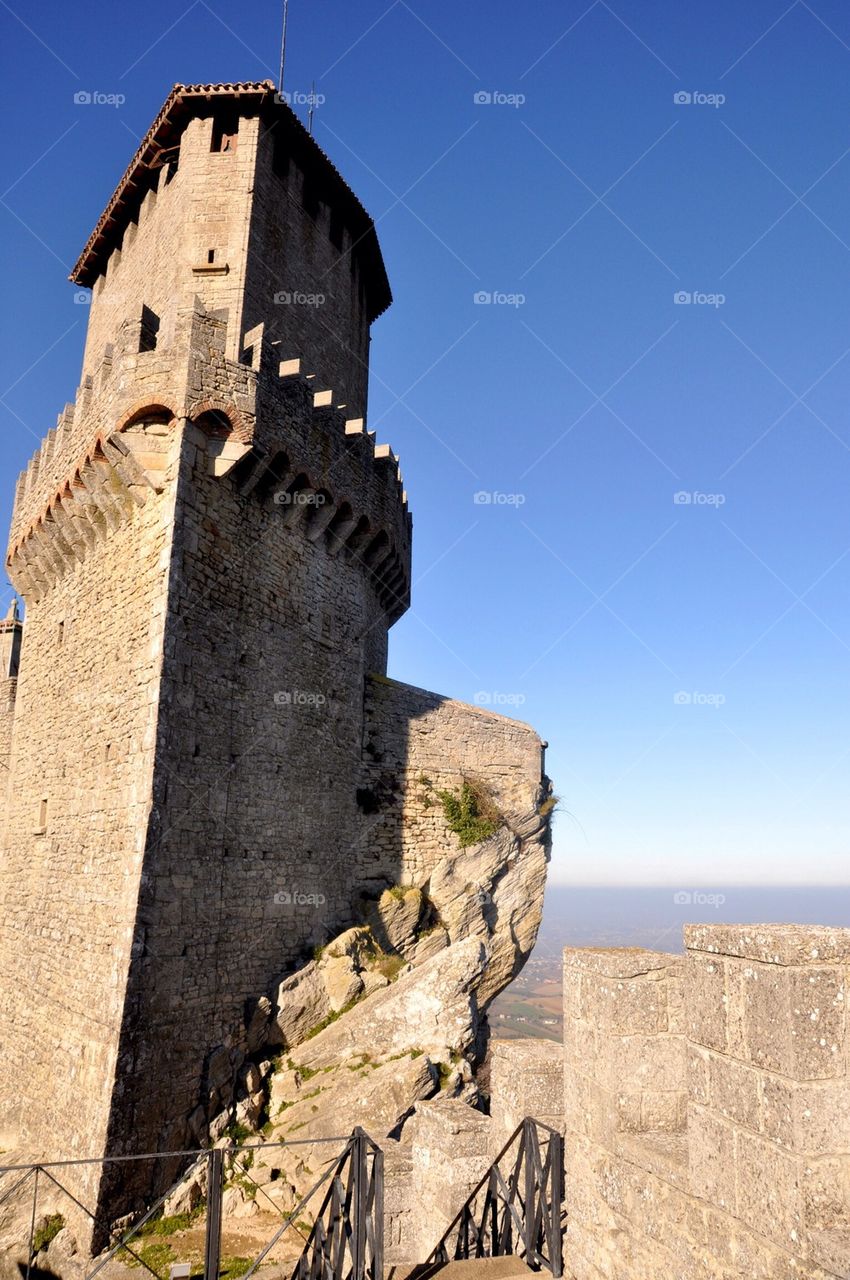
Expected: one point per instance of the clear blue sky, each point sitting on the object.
(597, 598)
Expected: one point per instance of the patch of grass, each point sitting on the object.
(248, 1186)
(332, 1017)
(237, 1132)
(471, 812)
(390, 966)
(399, 891)
(318, 952)
(445, 1072)
(549, 805)
(306, 1073)
(48, 1231)
(157, 1255)
(168, 1224)
(231, 1268)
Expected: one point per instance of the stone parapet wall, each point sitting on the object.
(417, 743)
(526, 1079)
(707, 1107)
(449, 1145)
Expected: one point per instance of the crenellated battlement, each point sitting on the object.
(287, 438)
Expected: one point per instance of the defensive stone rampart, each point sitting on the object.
(417, 744)
(707, 1107)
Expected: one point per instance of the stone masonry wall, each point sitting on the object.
(269, 638)
(417, 743)
(203, 205)
(707, 1107)
(81, 762)
(303, 285)
(526, 1079)
(8, 690)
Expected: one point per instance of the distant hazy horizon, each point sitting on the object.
(654, 916)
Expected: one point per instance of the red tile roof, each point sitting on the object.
(187, 100)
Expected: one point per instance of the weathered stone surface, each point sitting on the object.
(428, 1008)
(494, 891)
(756, 1184)
(301, 1002)
(396, 917)
(375, 1094)
(342, 982)
(781, 944)
(526, 1079)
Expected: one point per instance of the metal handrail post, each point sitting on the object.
(215, 1193)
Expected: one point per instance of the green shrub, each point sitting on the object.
(237, 1132)
(48, 1231)
(470, 813)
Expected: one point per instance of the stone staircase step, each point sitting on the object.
(506, 1268)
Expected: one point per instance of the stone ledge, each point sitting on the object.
(784, 944)
(620, 962)
(664, 1154)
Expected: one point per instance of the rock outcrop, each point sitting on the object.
(392, 1011)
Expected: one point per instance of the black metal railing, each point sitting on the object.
(341, 1239)
(516, 1207)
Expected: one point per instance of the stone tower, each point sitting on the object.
(211, 549)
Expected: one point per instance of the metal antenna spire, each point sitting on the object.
(310, 108)
(283, 45)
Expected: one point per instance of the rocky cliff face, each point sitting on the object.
(391, 1012)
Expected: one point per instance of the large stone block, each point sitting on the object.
(734, 1090)
(780, 944)
(526, 1079)
(770, 1192)
(638, 1062)
(706, 1001)
(711, 1158)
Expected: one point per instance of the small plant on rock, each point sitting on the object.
(471, 812)
(47, 1232)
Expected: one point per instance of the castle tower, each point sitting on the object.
(211, 549)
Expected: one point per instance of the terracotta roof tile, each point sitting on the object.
(182, 103)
